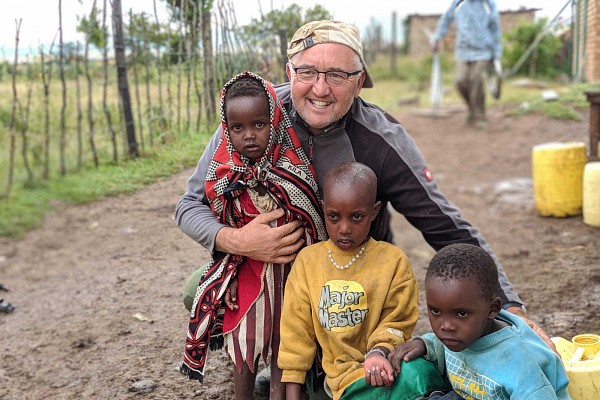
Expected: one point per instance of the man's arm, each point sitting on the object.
(444, 24)
(193, 217)
(407, 183)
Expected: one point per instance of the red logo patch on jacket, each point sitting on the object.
(428, 175)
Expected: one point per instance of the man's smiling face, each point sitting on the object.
(320, 104)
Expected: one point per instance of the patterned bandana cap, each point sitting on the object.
(327, 31)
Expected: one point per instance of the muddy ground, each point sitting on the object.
(97, 288)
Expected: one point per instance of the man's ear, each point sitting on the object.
(288, 71)
(495, 307)
(361, 80)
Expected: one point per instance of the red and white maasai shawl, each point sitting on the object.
(285, 171)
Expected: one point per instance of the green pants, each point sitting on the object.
(190, 287)
(417, 378)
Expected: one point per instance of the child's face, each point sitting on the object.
(348, 215)
(249, 125)
(458, 312)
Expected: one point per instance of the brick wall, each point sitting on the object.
(417, 26)
(586, 41)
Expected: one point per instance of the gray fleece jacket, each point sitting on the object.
(369, 135)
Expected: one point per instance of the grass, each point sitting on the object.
(570, 104)
(27, 205)
(26, 208)
(520, 96)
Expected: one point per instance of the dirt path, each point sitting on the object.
(97, 288)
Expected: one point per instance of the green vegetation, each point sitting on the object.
(548, 58)
(167, 129)
(570, 104)
(26, 208)
(520, 95)
(27, 205)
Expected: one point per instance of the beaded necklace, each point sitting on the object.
(356, 257)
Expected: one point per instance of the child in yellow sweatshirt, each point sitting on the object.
(353, 296)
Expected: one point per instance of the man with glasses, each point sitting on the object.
(327, 71)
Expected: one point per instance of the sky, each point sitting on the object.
(39, 18)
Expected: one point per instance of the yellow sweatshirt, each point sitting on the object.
(372, 303)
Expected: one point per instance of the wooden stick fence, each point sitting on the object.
(66, 126)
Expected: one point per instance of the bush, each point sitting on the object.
(542, 62)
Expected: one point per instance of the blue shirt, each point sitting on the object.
(512, 363)
(478, 35)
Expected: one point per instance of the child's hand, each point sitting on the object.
(407, 351)
(231, 295)
(378, 370)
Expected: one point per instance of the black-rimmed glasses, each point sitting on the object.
(333, 78)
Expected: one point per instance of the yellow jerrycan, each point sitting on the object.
(581, 359)
(591, 194)
(557, 170)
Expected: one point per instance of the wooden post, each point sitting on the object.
(123, 82)
(393, 53)
(594, 98)
(283, 50)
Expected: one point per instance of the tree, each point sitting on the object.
(92, 28)
(541, 61)
(210, 106)
(63, 124)
(373, 39)
(261, 33)
(143, 35)
(13, 114)
(185, 10)
(119, 44)
(190, 9)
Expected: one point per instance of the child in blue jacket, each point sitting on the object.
(486, 352)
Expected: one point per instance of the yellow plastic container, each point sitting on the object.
(584, 375)
(591, 194)
(557, 170)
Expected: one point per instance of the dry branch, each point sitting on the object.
(88, 76)
(159, 69)
(25, 125)
(147, 81)
(13, 114)
(46, 79)
(79, 111)
(119, 44)
(136, 84)
(63, 126)
(107, 114)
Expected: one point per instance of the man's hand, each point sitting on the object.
(259, 241)
(407, 351)
(537, 329)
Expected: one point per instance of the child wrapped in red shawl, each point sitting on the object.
(258, 166)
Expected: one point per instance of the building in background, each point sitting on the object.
(585, 37)
(420, 27)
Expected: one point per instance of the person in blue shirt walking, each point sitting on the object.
(478, 45)
(483, 350)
